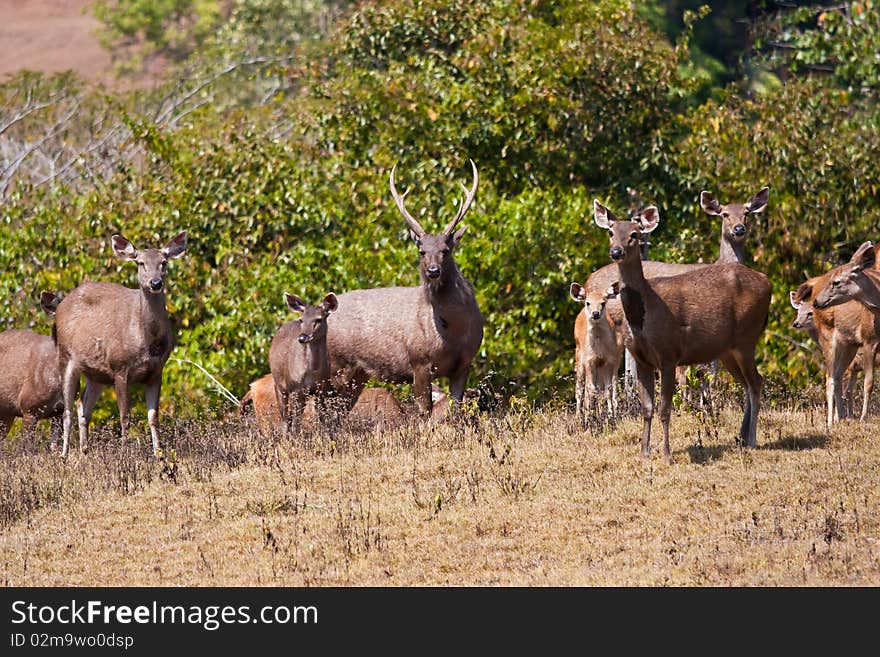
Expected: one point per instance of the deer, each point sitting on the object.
(411, 334)
(844, 328)
(299, 360)
(598, 350)
(30, 387)
(848, 326)
(736, 224)
(375, 406)
(856, 280)
(110, 334)
(677, 320)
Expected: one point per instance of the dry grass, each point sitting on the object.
(524, 498)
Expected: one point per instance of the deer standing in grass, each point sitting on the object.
(411, 334)
(736, 223)
(714, 312)
(30, 387)
(842, 332)
(113, 335)
(299, 361)
(598, 350)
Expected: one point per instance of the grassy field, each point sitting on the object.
(522, 498)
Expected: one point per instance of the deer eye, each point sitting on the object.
(421, 253)
(445, 252)
(633, 237)
(142, 265)
(725, 215)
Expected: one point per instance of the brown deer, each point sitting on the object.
(375, 407)
(598, 350)
(676, 320)
(114, 335)
(736, 223)
(30, 387)
(856, 280)
(847, 326)
(411, 334)
(299, 361)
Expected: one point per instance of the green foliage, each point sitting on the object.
(841, 40)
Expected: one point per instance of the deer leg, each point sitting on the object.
(347, 387)
(5, 426)
(842, 357)
(84, 407)
(70, 384)
(457, 383)
(645, 381)
(732, 366)
(579, 389)
(296, 403)
(754, 382)
(151, 393)
(123, 401)
(868, 366)
(55, 430)
(667, 389)
(422, 389)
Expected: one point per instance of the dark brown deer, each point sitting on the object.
(411, 334)
(678, 320)
(736, 223)
(299, 361)
(30, 387)
(113, 335)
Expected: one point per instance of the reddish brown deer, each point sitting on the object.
(736, 223)
(598, 350)
(299, 361)
(374, 407)
(834, 330)
(30, 387)
(114, 335)
(678, 320)
(857, 280)
(411, 334)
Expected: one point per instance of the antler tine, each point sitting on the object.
(466, 203)
(398, 199)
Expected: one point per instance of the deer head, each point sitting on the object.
(594, 302)
(736, 218)
(626, 236)
(435, 251)
(849, 281)
(152, 263)
(804, 319)
(313, 322)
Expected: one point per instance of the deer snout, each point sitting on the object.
(595, 314)
(303, 338)
(616, 253)
(433, 271)
(796, 324)
(156, 284)
(739, 230)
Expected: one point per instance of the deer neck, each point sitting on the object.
(316, 354)
(634, 291)
(731, 252)
(871, 290)
(152, 315)
(446, 298)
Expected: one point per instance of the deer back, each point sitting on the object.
(30, 381)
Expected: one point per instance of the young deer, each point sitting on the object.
(114, 335)
(30, 387)
(841, 332)
(598, 350)
(411, 334)
(299, 361)
(715, 312)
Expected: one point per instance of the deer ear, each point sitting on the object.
(330, 303)
(804, 290)
(863, 258)
(176, 247)
(577, 292)
(709, 203)
(793, 298)
(123, 248)
(603, 217)
(759, 201)
(613, 290)
(49, 302)
(649, 219)
(415, 237)
(456, 237)
(296, 304)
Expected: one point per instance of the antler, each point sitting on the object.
(398, 198)
(465, 204)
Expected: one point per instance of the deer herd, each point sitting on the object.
(666, 315)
